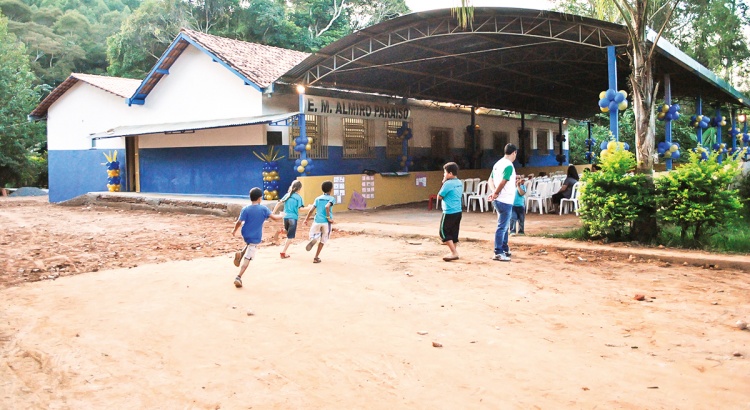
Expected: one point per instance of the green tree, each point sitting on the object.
(20, 140)
(144, 36)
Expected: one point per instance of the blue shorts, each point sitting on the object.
(290, 225)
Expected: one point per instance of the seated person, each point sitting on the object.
(567, 187)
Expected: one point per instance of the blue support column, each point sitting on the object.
(733, 132)
(699, 112)
(718, 131)
(668, 122)
(590, 136)
(612, 70)
(302, 122)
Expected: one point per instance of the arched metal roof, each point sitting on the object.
(530, 61)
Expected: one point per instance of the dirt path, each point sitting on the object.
(153, 321)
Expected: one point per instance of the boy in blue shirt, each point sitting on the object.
(251, 220)
(450, 193)
(321, 227)
(292, 202)
(518, 214)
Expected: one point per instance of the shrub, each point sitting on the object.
(613, 199)
(697, 196)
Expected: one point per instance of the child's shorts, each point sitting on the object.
(290, 225)
(321, 231)
(449, 226)
(250, 251)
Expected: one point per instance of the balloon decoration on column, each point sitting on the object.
(700, 121)
(668, 150)
(113, 172)
(404, 132)
(608, 147)
(611, 100)
(303, 165)
(270, 173)
(669, 112)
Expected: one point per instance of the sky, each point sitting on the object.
(422, 5)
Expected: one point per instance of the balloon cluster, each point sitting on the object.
(303, 145)
(669, 112)
(720, 148)
(270, 173)
(271, 181)
(405, 132)
(720, 121)
(591, 156)
(668, 150)
(590, 142)
(703, 151)
(609, 147)
(746, 139)
(700, 121)
(611, 100)
(113, 172)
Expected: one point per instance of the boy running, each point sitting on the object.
(321, 227)
(251, 220)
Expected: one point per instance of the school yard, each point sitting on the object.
(111, 308)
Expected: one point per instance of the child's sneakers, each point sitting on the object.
(238, 282)
(237, 258)
(310, 244)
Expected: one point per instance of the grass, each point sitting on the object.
(732, 238)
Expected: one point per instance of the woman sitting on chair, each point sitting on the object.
(567, 187)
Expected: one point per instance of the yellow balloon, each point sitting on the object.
(624, 93)
(660, 115)
(602, 94)
(309, 141)
(604, 153)
(268, 197)
(623, 105)
(665, 108)
(308, 147)
(673, 148)
(265, 173)
(300, 169)
(611, 145)
(604, 109)
(304, 162)
(265, 192)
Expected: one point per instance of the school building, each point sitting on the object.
(210, 106)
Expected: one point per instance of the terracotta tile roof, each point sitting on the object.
(261, 64)
(121, 87)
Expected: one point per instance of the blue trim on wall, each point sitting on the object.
(229, 171)
(76, 172)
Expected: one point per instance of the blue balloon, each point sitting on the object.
(674, 108)
(298, 162)
(612, 106)
(604, 102)
(603, 145)
(660, 150)
(676, 155)
(626, 146)
(611, 94)
(619, 98)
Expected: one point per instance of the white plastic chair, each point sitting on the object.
(468, 190)
(571, 202)
(539, 197)
(480, 197)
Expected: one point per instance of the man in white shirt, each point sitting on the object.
(503, 185)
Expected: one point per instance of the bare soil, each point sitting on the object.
(106, 308)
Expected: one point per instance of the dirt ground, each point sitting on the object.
(106, 308)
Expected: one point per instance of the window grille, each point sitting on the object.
(357, 139)
(542, 142)
(499, 141)
(393, 148)
(317, 130)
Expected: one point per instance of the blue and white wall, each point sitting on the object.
(75, 168)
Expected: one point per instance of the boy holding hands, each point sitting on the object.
(321, 227)
(251, 220)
